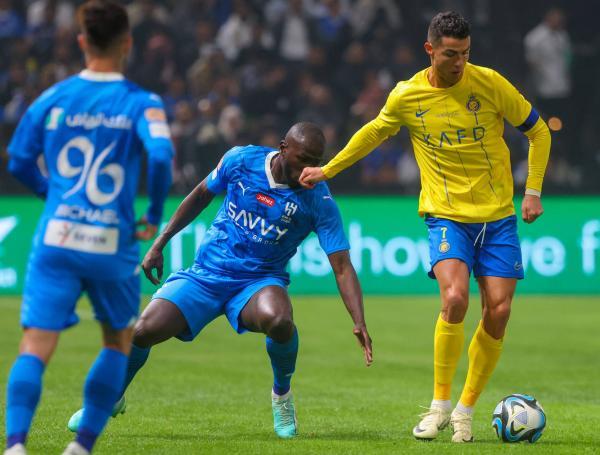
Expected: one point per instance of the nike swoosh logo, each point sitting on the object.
(420, 114)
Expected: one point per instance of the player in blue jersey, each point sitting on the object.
(91, 130)
(239, 270)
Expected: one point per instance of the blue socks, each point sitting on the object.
(105, 384)
(137, 359)
(102, 389)
(283, 360)
(23, 394)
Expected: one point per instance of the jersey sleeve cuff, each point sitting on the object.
(329, 171)
(337, 249)
(213, 185)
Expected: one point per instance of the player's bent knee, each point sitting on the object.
(280, 328)
(160, 321)
(146, 333)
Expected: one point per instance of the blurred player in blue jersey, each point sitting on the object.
(91, 129)
(239, 270)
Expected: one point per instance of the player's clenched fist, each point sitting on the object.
(531, 209)
(310, 176)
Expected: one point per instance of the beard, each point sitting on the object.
(290, 176)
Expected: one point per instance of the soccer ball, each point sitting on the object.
(519, 418)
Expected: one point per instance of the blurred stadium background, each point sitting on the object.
(242, 71)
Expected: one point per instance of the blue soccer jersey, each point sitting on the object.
(261, 223)
(92, 129)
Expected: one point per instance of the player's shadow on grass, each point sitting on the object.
(164, 436)
(333, 435)
(348, 435)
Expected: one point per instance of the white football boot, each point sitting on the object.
(17, 449)
(75, 449)
(432, 422)
(461, 426)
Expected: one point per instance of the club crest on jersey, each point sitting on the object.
(473, 104)
(264, 199)
(444, 247)
(290, 209)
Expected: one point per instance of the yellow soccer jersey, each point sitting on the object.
(456, 134)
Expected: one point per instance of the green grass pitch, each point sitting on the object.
(212, 395)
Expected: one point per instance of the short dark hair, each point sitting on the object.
(103, 22)
(450, 24)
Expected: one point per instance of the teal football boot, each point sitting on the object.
(284, 415)
(119, 408)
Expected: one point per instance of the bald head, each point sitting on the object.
(308, 136)
(303, 146)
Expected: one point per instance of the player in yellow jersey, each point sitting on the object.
(455, 114)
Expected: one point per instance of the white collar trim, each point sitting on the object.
(272, 182)
(101, 76)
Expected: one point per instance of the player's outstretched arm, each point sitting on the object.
(349, 288)
(363, 142)
(359, 146)
(188, 210)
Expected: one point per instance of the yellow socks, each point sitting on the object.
(484, 352)
(448, 343)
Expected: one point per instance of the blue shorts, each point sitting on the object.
(51, 293)
(488, 249)
(202, 296)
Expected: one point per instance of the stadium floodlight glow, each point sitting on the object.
(555, 124)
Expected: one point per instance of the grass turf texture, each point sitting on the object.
(213, 395)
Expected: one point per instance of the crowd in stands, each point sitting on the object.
(242, 71)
